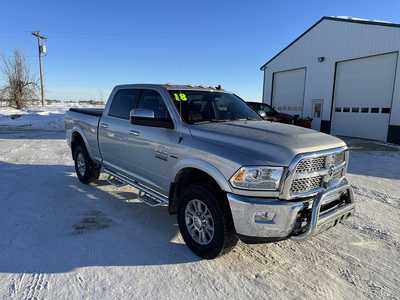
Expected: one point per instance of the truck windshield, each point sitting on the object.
(208, 106)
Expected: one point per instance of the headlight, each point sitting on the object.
(257, 178)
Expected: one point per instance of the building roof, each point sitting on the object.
(338, 19)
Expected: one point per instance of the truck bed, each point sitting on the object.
(97, 112)
(87, 121)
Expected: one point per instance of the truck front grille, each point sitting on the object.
(305, 184)
(311, 165)
(311, 174)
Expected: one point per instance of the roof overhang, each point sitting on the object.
(337, 19)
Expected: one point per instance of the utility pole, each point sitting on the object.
(42, 51)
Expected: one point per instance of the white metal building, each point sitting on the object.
(342, 73)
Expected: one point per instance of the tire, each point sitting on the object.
(223, 237)
(85, 168)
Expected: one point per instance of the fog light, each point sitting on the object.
(263, 217)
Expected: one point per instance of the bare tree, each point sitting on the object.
(20, 86)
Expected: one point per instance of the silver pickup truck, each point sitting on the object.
(212, 160)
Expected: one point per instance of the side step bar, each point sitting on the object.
(115, 181)
(149, 200)
(146, 195)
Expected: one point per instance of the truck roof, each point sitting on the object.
(170, 86)
(192, 87)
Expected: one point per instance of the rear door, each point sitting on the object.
(114, 139)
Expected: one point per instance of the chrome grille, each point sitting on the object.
(305, 184)
(311, 165)
(314, 173)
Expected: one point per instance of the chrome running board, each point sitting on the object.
(146, 194)
(115, 181)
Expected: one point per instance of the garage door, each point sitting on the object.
(363, 96)
(288, 91)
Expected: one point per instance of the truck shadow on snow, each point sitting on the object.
(50, 223)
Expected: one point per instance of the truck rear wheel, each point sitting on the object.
(85, 168)
(204, 225)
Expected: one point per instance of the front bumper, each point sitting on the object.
(277, 219)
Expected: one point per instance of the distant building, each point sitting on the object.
(342, 73)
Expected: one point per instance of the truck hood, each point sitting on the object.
(263, 142)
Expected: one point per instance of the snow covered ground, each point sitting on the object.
(50, 117)
(64, 240)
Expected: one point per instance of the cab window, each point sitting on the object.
(152, 100)
(123, 102)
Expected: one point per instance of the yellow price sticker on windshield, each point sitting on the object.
(180, 97)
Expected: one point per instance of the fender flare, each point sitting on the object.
(80, 132)
(199, 165)
(205, 167)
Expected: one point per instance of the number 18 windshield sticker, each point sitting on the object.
(180, 97)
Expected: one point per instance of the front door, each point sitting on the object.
(153, 146)
(317, 106)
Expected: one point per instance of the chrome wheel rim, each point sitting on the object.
(199, 222)
(81, 164)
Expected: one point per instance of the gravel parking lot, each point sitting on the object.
(61, 239)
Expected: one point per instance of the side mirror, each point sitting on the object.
(146, 117)
(262, 113)
(140, 114)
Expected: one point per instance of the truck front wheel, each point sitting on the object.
(203, 224)
(85, 168)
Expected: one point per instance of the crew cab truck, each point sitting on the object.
(207, 156)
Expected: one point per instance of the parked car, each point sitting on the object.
(269, 113)
(212, 160)
(302, 122)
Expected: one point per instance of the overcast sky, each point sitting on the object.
(94, 45)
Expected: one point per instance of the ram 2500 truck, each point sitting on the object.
(207, 156)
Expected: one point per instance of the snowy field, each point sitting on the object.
(49, 118)
(64, 240)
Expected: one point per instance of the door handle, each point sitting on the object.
(104, 125)
(134, 132)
